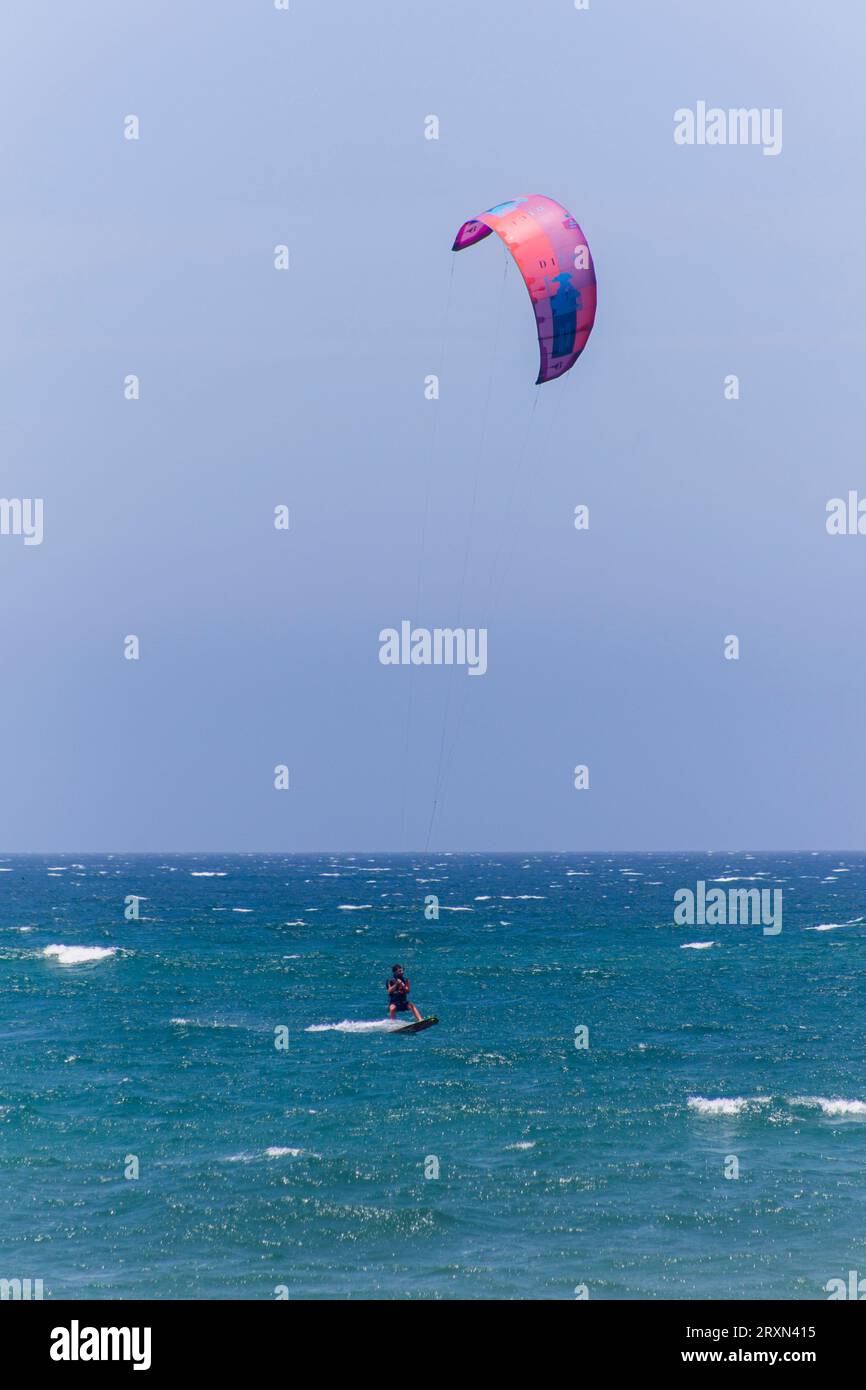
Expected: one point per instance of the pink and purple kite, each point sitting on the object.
(554, 260)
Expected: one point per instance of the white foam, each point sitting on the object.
(833, 1107)
(834, 926)
(79, 955)
(202, 1023)
(349, 1025)
(208, 873)
(738, 878)
(526, 1144)
(697, 945)
(276, 1152)
(354, 907)
(723, 1105)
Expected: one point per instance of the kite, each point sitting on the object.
(556, 265)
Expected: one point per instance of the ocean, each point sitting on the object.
(207, 1102)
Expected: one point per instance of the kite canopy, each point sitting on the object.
(554, 260)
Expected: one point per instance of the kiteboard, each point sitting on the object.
(416, 1027)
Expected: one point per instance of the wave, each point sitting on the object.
(79, 955)
(275, 1151)
(832, 1107)
(834, 926)
(696, 945)
(738, 878)
(725, 1105)
(735, 1105)
(202, 1023)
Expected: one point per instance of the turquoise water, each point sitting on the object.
(304, 1168)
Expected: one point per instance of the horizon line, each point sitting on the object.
(300, 853)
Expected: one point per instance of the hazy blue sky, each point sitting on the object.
(306, 388)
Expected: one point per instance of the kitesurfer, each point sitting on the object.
(398, 994)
